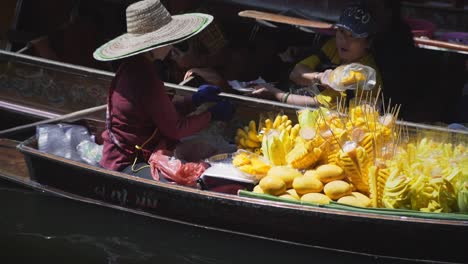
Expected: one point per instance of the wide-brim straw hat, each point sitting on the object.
(150, 26)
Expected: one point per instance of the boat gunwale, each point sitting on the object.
(24, 148)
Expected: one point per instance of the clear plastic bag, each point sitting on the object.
(90, 152)
(62, 139)
(350, 77)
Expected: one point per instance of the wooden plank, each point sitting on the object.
(12, 161)
(441, 44)
(284, 19)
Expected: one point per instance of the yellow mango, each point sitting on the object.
(288, 196)
(287, 174)
(272, 185)
(259, 166)
(329, 172)
(307, 184)
(317, 198)
(353, 77)
(293, 193)
(363, 199)
(350, 200)
(311, 173)
(241, 159)
(337, 189)
(356, 199)
(258, 189)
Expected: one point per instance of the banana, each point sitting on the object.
(252, 135)
(277, 121)
(242, 142)
(252, 126)
(241, 133)
(268, 124)
(251, 144)
(294, 131)
(281, 127)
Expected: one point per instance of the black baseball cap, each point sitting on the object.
(358, 20)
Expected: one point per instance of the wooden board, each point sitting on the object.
(12, 162)
(284, 19)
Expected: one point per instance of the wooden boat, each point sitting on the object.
(400, 235)
(364, 231)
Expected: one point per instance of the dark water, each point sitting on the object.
(39, 228)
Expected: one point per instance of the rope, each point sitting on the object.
(140, 148)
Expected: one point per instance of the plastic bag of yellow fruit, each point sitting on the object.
(350, 77)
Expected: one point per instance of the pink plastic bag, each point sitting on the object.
(174, 170)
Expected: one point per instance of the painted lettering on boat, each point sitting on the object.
(146, 200)
(122, 197)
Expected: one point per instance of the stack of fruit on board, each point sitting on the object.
(355, 156)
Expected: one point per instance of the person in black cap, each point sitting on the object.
(352, 44)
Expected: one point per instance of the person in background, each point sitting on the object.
(75, 41)
(141, 118)
(352, 44)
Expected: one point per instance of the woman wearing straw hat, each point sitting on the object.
(141, 118)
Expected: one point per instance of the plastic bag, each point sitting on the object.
(350, 77)
(245, 87)
(62, 139)
(174, 170)
(90, 152)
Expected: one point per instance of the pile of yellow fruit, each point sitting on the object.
(321, 137)
(320, 186)
(248, 139)
(428, 176)
(353, 158)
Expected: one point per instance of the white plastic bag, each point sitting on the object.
(90, 152)
(350, 77)
(62, 139)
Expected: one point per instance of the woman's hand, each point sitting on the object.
(303, 75)
(209, 75)
(206, 93)
(267, 91)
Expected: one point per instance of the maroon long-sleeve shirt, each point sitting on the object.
(138, 105)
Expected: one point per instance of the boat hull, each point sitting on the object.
(403, 237)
